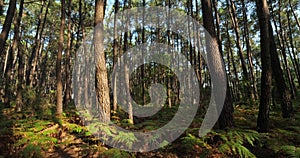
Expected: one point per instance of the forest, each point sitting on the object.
(140, 78)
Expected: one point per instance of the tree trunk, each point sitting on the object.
(67, 95)
(7, 24)
(217, 73)
(59, 88)
(291, 39)
(102, 88)
(19, 101)
(32, 63)
(235, 81)
(143, 66)
(219, 37)
(294, 14)
(249, 54)
(283, 52)
(232, 13)
(266, 76)
(286, 104)
(116, 49)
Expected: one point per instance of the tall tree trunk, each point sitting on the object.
(59, 87)
(19, 101)
(7, 74)
(169, 80)
(286, 104)
(32, 63)
(116, 49)
(77, 93)
(127, 84)
(217, 73)
(266, 76)
(232, 13)
(67, 95)
(7, 24)
(294, 14)
(291, 40)
(102, 88)
(219, 37)
(235, 81)
(126, 70)
(248, 49)
(283, 51)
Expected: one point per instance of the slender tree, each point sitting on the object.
(102, 88)
(19, 101)
(67, 95)
(59, 87)
(286, 104)
(249, 51)
(32, 62)
(282, 45)
(266, 76)
(294, 14)
(292, 45)
(7, 24)
(116, 48)
(217, 73)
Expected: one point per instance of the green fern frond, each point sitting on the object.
(127, 138)
(290, 151)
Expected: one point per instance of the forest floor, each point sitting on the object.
(38, 134)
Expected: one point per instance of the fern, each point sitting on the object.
(123, 137)
(35, 136)
(71, 127)
(235, 148)
(289, 151)
(115, 153)
(193, 144)
(192, 140)
(233, 142)
(31, 150)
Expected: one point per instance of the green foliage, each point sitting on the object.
(115, 153)
(107, 132)
(192, 143)
(32, 150)
(35, 136)
(123, 137)
(191, 140)
(234, 140)
(230, 143)
(72, 127)
(289, 151)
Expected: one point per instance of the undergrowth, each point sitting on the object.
(35, 132)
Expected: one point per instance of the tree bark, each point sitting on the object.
(7, 24)
(217, 73)
(19, 101)
(286, 104)
(32, 63)
(67, 95)
(59, 88)
(294, 14)
(249, 54)
(266, 76)
(232, 13)
(291, 39)
(116, 50)
(235, 81)
(282, 45)
(102, 88)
